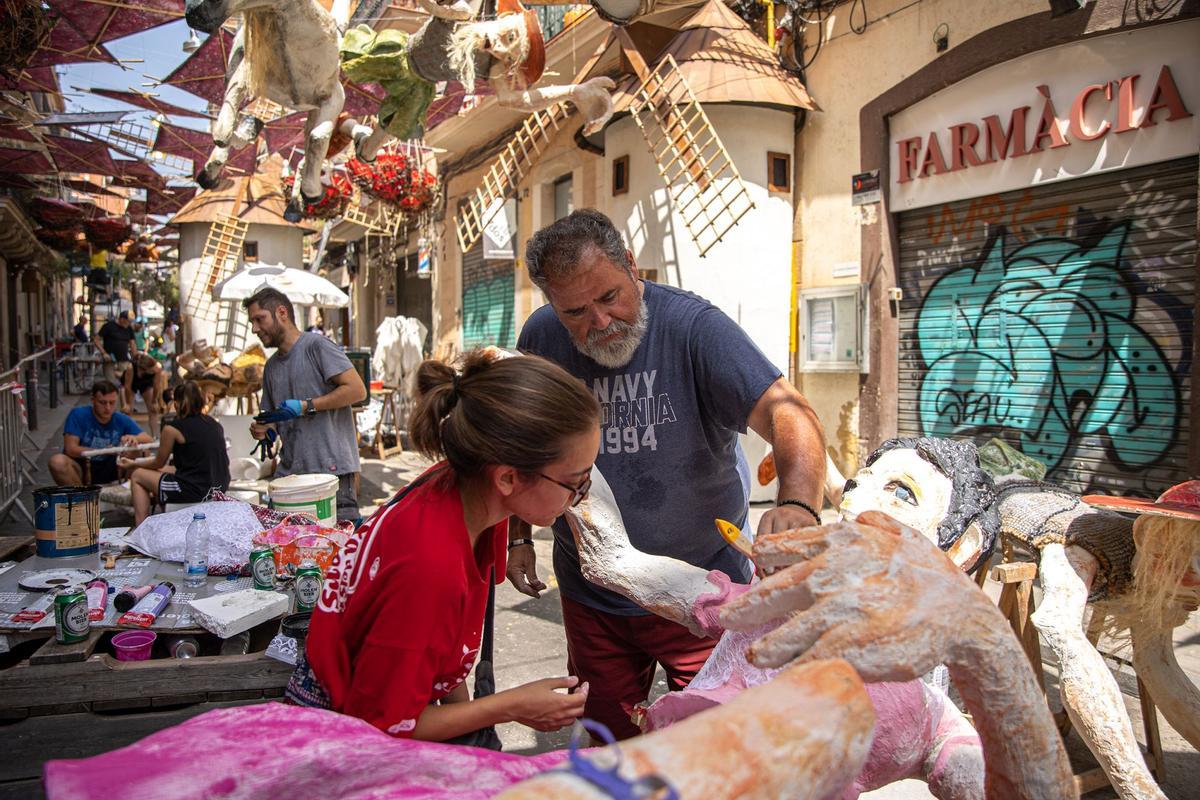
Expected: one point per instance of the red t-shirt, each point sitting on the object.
(400, 618)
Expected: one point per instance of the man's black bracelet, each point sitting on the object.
(519, 542)
(800, 503)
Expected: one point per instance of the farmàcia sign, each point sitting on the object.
(972, 144)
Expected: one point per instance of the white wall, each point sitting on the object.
(748, 274)
(277, 244)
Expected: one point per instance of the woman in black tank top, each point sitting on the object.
(195, 442)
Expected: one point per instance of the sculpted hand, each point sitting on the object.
(539, 706)
(873, 592)
(522, 571)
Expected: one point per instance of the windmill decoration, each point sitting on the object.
(706, 190)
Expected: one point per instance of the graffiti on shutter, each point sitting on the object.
(1059, 318)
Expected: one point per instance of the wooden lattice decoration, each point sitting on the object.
(502, 177)
(221, 257)
(135, 139)
(706, 189)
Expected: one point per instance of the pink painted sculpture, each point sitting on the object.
(873, 591)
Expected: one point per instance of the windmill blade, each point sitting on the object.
(705, 187)
(506, 172)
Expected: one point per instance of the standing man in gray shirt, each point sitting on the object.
(308, 388)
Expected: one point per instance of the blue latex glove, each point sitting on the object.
(288, 409)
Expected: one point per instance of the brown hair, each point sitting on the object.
(189, 399)
(270, 299)
(514, 411)
(103, 387)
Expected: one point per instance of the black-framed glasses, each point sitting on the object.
(577, 492)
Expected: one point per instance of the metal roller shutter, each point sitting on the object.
(1059, 318)
(487, 300)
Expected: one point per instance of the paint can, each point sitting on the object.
(314, 495)
(71, 616)
(67, 521)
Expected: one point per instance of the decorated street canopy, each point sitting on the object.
(149, 101)
(203, 74)
(79, 155)
(196, 145)
(66, 45)
(136, 174)
(104, 20)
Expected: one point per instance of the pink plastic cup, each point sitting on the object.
(134, 645)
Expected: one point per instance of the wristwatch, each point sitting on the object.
(310, 410)
(519, 542)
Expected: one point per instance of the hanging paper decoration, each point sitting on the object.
(79, 155)
(136, 174)
(150, 102)
(34, 79)
(65, 45)
(107, 232)
(362, 99)
(196, 145)
(55, 213)
(285, 132)
(395, 179)
(24, 162)
(64, 239)
(104, 20)
(169, 200)
(333, 202)
(203, 73)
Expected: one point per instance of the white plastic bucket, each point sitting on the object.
(315, 495)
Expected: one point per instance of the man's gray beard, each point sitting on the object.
(619, 353)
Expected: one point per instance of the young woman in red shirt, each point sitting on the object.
(399, 622)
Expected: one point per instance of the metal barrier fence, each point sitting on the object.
(19, 400)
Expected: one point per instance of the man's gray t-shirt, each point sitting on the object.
(669, 423)
(325, 443)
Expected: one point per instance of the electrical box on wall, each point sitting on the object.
(833, 329)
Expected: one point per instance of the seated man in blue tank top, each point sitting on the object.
(94, 427)
(677, 381)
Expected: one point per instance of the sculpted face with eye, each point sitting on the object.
(934, 486)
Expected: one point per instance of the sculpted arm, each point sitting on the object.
(876, 593)
(666, 586)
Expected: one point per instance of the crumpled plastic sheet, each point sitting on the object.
(231, 526)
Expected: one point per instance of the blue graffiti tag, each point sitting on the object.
(1044, 343)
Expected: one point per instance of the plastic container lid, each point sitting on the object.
(305, 485)
(199, 515)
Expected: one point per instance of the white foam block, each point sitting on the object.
(229, 614)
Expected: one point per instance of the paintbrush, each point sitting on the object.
(737, 539)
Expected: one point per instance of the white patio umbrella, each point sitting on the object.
(301, 287)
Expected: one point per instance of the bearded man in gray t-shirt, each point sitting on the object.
(309, 385)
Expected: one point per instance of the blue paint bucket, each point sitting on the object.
(67, 520)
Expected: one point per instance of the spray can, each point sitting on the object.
(308, 585)
(127, 598)
(149, 607)
(262, 567)
(71, 616)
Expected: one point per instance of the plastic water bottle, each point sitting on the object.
(195, 555)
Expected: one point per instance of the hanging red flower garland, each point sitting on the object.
(335, 200)
(395, 179)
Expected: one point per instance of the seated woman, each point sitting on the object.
(146, 378)
(400, 618)
(196, 444)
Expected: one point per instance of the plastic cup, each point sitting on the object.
(134, 645)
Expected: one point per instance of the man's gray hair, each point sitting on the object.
(555, 250)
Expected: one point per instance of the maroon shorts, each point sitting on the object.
(616, 655)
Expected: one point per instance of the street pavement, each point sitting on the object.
(530, 644)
